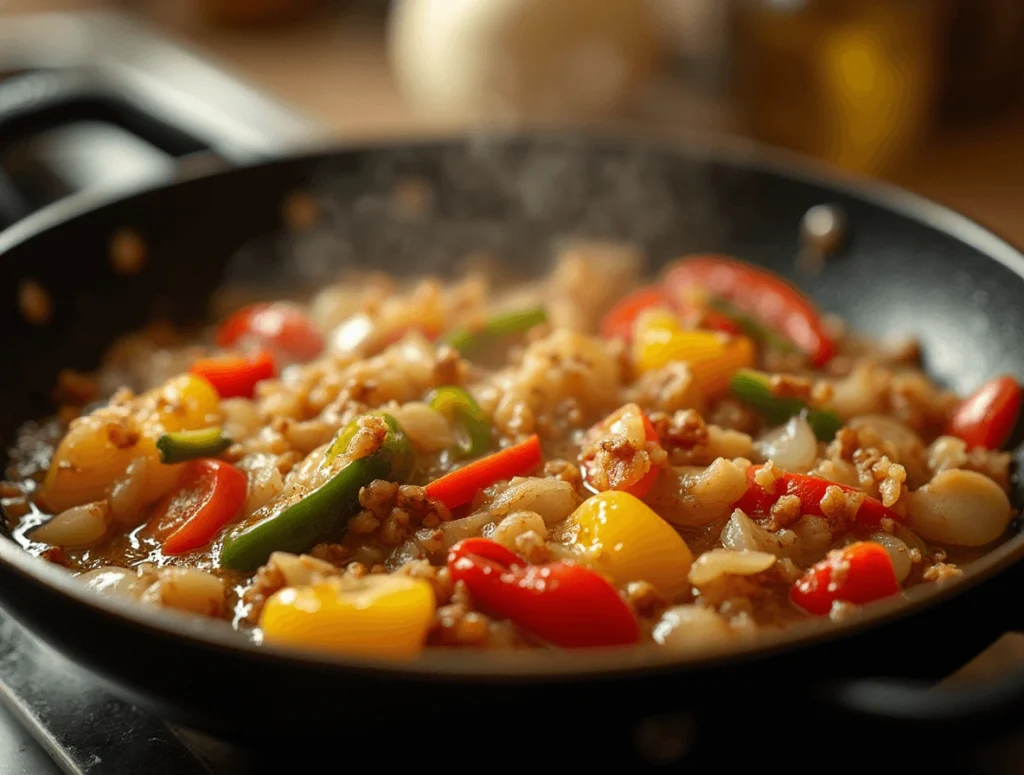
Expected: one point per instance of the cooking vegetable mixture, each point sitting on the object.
(400, 466)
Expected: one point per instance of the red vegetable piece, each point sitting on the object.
(280, 327)
(716, 321)
(562, 603)
(988, 416)
(759, 293)
(756, 501)
(861, 573)
(618, 323)
(461, 485)
(235, 376)
(207, 496)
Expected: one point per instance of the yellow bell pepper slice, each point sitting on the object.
(622, 537)
(99, 447)
(713, 374)
(378, 616)
(712, 357)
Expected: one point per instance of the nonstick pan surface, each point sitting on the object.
(907, 267)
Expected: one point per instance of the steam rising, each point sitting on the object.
(421, 209)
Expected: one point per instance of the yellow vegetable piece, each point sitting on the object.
(378, 616)
(712, 357)
(622, 537)
(713, 375)
(184, 403)
(660, 340)
(99, 447)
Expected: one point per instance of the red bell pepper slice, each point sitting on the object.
(280, 327)
(757, 501)
(861, 573)
(563, 603)
(987, 417)
(619, 322)
(461, 485)
(207, 496)
(759, 293)
(235, 376)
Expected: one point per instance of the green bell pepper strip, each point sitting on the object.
(752, 328)
(505, 324)
(403, 458)
(324, 513)
(459, 407)
(754, 388)
(181, 446)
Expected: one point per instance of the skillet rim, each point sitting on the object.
(526, 666)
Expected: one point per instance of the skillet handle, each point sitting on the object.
(917, 711)
(32, 105)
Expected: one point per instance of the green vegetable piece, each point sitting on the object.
(324, 513)
(505, 324)
(181, 446)
(752, 328)
(403, 456)
(754, 388)
(460, 407)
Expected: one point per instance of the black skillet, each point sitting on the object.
(907, 267)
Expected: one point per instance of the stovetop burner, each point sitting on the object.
(97, 100)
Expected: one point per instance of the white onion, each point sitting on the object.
(690, 626)
(299, 570)
(553, 499)
(467, 527)
(725, 562)
(265, 482)
(792, 447)
(813, 538)
(187, 589)
(351, 335)
(741, 533)
(426, 428)
(957, 507)
(514, 525)
(898, 551)
(112, 580)
(691, 496)
(128, 494)
(77, 528)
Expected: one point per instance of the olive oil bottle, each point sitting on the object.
(852, 82)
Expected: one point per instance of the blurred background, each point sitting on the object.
(925, 93)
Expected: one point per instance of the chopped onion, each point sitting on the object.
(792, 447)
(898, 551)
(351, 335)
(553, 499)
(691, 626)
(111, 580)
(725, 562)
(741, 533)
(77, 528)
